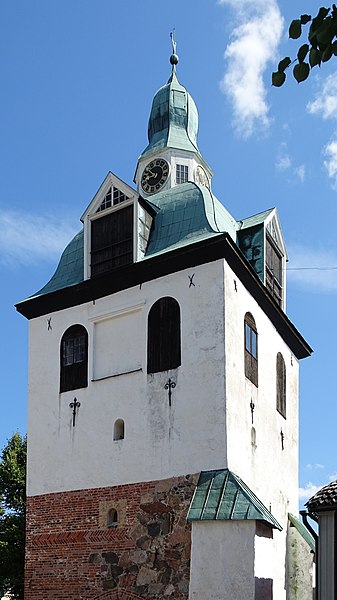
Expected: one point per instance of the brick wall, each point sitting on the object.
(71, 553)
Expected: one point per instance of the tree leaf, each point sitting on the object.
(284, 63)
(305, 19)
(301, 71)
(326, 31)
(318, 20)
(315, 57)
(327, 54)
(303, 51)
(295, 29)
(334, 47)
(278, 78)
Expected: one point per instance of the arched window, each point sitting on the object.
(119, 429)
(163, 343)
(74, 359)
(280, 384)
(251, 360)
(112, 518)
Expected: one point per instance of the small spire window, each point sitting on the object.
(181, 173)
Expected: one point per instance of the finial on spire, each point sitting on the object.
(174, 58)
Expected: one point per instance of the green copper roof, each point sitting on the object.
(173, 121)
(258, 219)
(70, 269)
(303, 531)
(187, 213)
(222, 495)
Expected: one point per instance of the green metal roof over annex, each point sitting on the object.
(222, 496)
(303, 531)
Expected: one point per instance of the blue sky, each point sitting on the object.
(77, 82)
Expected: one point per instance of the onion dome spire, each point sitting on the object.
(173, 121)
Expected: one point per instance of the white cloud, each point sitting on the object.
(300, 172)
(283, 162)
(309, 490)
(312, 268)
(26, 238)
(325, 106)
(325, 103)
(330, 163)
(314, 467)
(253, 45)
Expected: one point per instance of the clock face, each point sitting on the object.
(155, 175)
(200, 176)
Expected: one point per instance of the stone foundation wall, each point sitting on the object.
(72, 553)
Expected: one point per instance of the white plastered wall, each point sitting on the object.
(270, 471)
(159, 441)
(222, 560)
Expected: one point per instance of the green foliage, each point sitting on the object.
(322, 38)
(12, 515)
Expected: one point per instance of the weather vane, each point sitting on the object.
(174, 43)
(174, 56)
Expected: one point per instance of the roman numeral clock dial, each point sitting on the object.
(155, 175)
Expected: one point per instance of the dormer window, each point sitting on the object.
(274, 273)
(117, 225)
(181, 174)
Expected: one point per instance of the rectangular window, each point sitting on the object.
(251, 341)
(181, 173)
(251, 351)
(73, 350)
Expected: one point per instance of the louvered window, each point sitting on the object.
(163, 345)
(112, 241)
(274, 275)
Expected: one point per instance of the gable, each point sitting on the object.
(112, 192)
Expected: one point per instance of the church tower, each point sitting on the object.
(163, 390)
